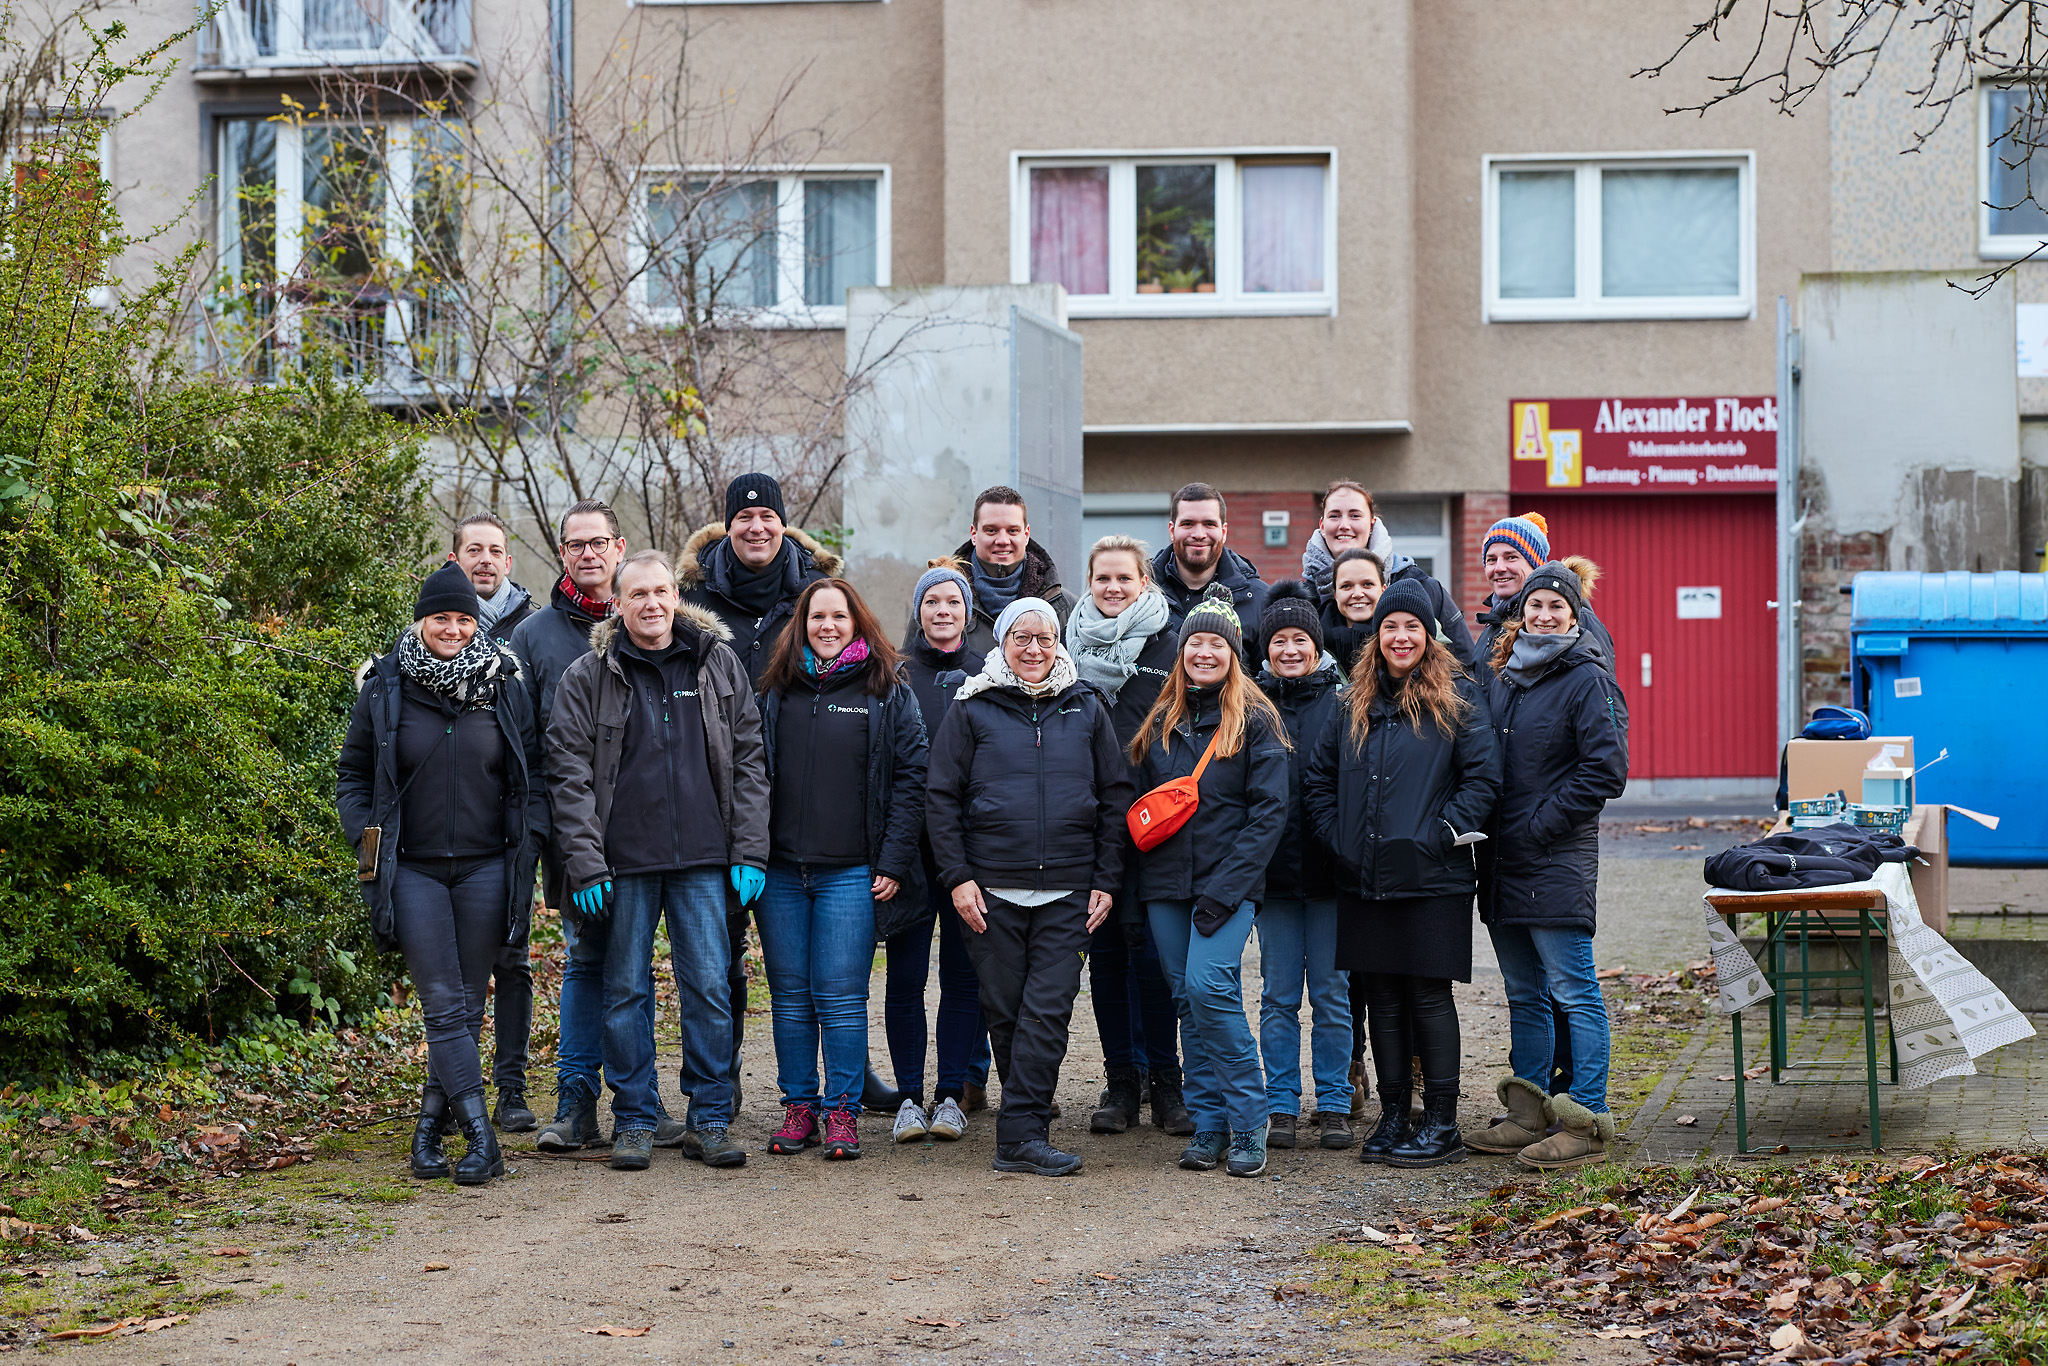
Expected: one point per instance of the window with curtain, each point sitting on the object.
(2015, 181)
(1646, 238)
(783, 249)
(1136, 236)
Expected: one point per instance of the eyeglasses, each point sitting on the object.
(596, 545)
(1024, 642)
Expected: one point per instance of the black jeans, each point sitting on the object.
(1029, 962)
(511, 1014)
(1134, 1009)
(450, 919)
(1411, 1017)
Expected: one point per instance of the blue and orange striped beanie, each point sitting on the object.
(1529, 534)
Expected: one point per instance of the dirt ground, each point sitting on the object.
(791, 1259)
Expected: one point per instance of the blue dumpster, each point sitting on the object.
(1960, 662)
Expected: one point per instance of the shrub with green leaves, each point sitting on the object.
(193, 569)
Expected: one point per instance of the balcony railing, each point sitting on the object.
(325, 33)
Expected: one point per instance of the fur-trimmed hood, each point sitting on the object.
(691, 573)
(1041, 577)
(706, 622)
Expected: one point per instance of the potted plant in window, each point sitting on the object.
(1180, 281)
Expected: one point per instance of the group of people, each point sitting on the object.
(737, 736)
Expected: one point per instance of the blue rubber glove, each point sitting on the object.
(748, 882)
(595, 901)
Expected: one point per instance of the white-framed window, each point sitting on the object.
(339, 240)
(1421, 530)
(39, 144)
(1178, 233)
(1637, 235)
(2012, 171)
(775, 248)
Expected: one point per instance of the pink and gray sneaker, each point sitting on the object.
(842, 1136)
(799, 1131)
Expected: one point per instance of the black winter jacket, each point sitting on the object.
(1391, 808)
(1028, 792)
(1564, 755)
(1450, 622)
(367, 783)
(1041, 579)
(705, 574)
(1223, 850)
(1233, 571)
(1342, 639)
(1301, 869)
(935, 675)
(547, 643)
(1134, 700)
(503, 628)
(893, 819)
(1593, 631)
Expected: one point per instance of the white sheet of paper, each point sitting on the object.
(1472, 838)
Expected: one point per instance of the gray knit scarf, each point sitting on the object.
(1534, 656)
(1105, 649)
(1319, 565)
(470, 678)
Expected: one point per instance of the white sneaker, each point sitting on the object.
(910, 1122)
(948, 1121)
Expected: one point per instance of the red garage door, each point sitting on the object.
(1700, 686)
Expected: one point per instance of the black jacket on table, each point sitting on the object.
(367, 782)
(1391, 808)
(1222, 852)
(820, 720)
(709, 578)
(1233, 571)
(1028, 792)
(1301, 869)
(1564, 755)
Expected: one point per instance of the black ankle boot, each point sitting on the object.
(429, 1159)
(1435, 1140)
(878, 1097)
(1393, 1127)
(483, 1160)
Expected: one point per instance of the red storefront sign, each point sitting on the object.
(1643, 445)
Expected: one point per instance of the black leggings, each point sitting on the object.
(1412, 1017)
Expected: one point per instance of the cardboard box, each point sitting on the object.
(1814, 768)
(1927, 830)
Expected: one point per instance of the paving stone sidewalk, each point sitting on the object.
(2004, 1106)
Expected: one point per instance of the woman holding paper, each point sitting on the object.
(1401, 779)
(1563, 731)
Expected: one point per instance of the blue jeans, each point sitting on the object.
(962, 1037)
(1297, 944)
(1225, 1084)
(818, 945)
(1540, 964)
(579, 1047)
(450, 919)
(693, 901)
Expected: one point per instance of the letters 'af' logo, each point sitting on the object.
(1531, 422)
(1566, 469)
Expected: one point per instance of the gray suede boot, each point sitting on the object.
(1527, 1118)
(1580, 1141)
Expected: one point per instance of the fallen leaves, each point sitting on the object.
(613, 1330)
(230, 1252)
(122, 1328)
(1687, 1120)
(931, 1323)
(439, 1266)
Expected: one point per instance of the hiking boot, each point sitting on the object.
(1248, 1152)
(575, 1123)
(878, 1097)
(512, 1114)
(911, 1122)
(1392, 1128)
(1526, 1118)
(483, 1160)
(632, 1150)
(1359, 1089)
(429, 1158)
(1169, 1109)
(1434, 1141)
(799, 1131)
(713, 1146)
(1036, 1156)
(1335, 1128)
(975, 1097)
(1280, 1130)
(1205, 1151)
(948, 1121)
(842, 1135)
(1582, 1138)
(1119, 1103)
(670, 1132)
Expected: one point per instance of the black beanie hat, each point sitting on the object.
(447, 589)
(1290, 605)
(753, 491)
(1405, 595)
(1560, 579)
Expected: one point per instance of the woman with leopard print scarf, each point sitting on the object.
(443, 761)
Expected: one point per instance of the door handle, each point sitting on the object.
(1646, 668)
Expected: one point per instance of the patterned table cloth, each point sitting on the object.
(1944, 1011)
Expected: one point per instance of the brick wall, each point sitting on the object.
(1248, 533)
(1471, 515)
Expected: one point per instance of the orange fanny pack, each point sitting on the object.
(1156, 816)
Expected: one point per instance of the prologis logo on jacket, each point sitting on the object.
(846, 711)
